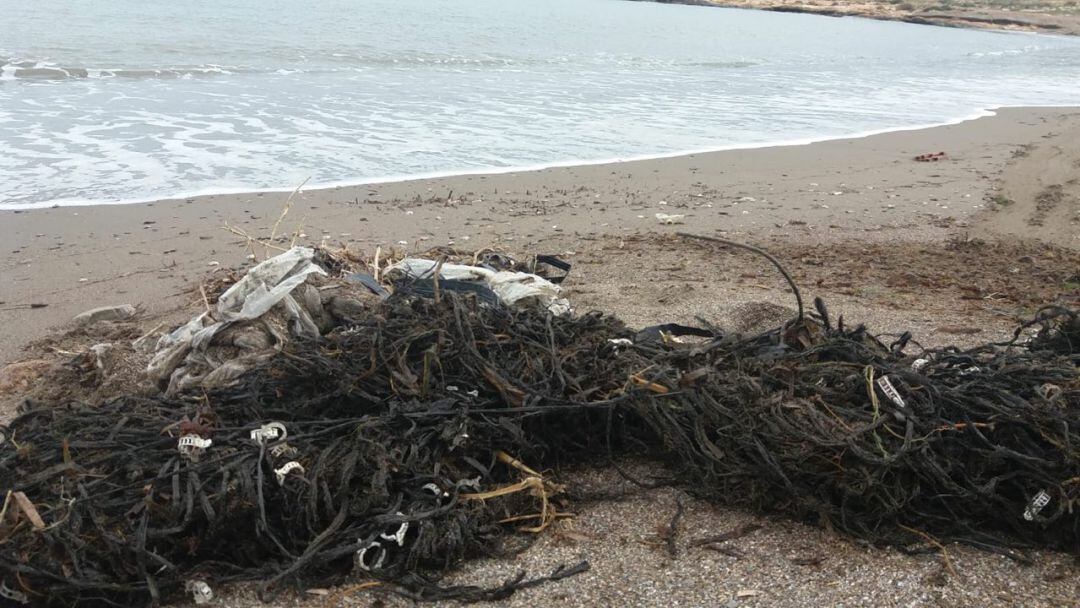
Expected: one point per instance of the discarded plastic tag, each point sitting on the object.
(281, 450)
(13, 594)
(971, 370)
(399, 534)
(268, 432)
(1046, 391)
(890, 391)
(1041, 500)
(436, 491)
(192, 446)
(666, 219)
(371, 563)
(473, 393)
(202, 592)
(919, 364)
(285, 469)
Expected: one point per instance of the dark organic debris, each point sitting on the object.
(417, 432)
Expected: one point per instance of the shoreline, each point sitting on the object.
(865, 189)
(987, 17)
(392, 179)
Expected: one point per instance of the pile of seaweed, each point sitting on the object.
(410, 438)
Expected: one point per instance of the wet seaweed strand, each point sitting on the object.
(398, 421)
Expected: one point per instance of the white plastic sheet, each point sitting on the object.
(519, 289)
(180, 355)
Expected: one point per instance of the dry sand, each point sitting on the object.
(1047, 16)
(953, 249)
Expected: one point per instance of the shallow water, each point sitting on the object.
(113, 100)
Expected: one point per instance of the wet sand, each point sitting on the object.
(74, 258)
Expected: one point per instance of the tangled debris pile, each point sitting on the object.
(394, 435)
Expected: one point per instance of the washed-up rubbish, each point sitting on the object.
(514, 289)
(119, 312)
(930, 157)
(184, 357)
(414, 432)
(670, 218)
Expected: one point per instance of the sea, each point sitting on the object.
(121, 101)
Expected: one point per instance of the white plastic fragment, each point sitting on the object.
(1037, 503)
(398, 535)
(514, 289)
(13, 594)
(268, 432)
(285, 469)
(282, 449)
(1046, 391)
(199, 590)
(621, 341)
(179, 357)
(890, 391)
(435, 490)
(666, 219)
(192, 446)
(106, 313)
(919, 364)
(361, 557)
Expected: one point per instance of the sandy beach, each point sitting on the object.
(866, 189)
(1046, 16)
(954, 250)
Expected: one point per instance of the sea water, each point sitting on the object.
(120, 100)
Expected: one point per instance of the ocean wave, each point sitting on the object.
(16, 69)
(723, 64)
(22, 69)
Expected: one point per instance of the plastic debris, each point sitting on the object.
(266, 433)
(13, 594)
(287, 468)
(192, 446)
(668, 219)
(200, 592)
(181, 356)
(514, 289)
(121, 312)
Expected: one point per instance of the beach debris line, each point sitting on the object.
(120, 312)
(930, 157)
(401, 432)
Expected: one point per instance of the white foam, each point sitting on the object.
(212, 191)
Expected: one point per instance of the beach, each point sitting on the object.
(1049, 16)
(864, 189)
(954, 250)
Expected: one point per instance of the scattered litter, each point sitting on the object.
(422, 427)
(200, 592)
(930, 157)
(1041, 500)
(121, 312)
(666, 219)
(514, 289)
